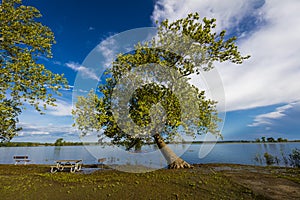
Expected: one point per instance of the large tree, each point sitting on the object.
(23, 42)
(162, 105)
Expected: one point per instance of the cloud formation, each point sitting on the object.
(228, 13)
(267, 118)
(62, 108)
(47, 132)
(283, 121)
(270, 76)
(86, 72)
(108, 48)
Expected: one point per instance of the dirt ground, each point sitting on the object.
(209, 181)
(270, 182)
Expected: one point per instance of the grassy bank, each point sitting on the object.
(202, 182)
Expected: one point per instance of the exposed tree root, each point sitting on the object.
(179, 164)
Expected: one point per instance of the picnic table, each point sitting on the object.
(73, 165)
(21, 159)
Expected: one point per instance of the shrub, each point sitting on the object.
(294, 158)
(270, 160)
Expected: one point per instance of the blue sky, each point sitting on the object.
(262, 96)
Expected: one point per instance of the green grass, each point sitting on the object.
(202, 182)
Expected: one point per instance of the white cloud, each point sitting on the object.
(39, 133)
(67, 89)
(39, 129)
(57, 62)
(62, 108)
(108, 48)
(267, 118)
(228, 13)
(270, 76)
(86, 72)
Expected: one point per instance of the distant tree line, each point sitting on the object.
(24, 144)
(61, 142)
(270, 139)
(58, 142)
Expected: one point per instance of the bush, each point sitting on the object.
(294, 158)
(270, 160)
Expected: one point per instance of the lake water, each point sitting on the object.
(238, 153)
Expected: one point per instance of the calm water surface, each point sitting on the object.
(238, 153)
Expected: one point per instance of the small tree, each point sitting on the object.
(270, 160)
(281, 140)
(23, 41)
(59, 142)
(263, 139)
(270, 139)
(294, 158)
(180, 49)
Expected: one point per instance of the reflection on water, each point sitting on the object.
(57, 150)
(275, 153)
(238, 153)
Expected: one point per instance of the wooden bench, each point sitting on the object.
(21, 159)
(73, 165)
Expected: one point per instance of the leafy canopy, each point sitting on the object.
(180, 49)
(23, 41)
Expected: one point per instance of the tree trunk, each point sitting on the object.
(174, 162)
